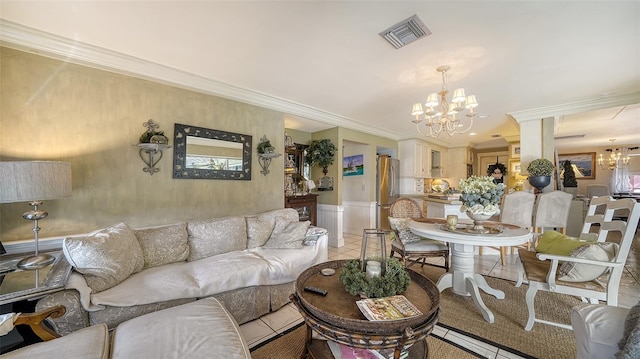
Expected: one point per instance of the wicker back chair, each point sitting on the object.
(414, 252)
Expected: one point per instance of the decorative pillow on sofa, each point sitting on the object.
(163, 244)
(106, 257)
(400, 224)
(580, 272)
(259, 227)
(259, 230)
(287, 234)
(216, 236)
(552, 242)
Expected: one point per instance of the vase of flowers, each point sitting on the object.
(480, 199)
(540, 171)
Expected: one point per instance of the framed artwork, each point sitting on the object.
(514, 167)
(514, 150)
(584, 164)
(353, 165)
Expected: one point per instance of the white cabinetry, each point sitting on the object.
(415, 159)
(438, 164)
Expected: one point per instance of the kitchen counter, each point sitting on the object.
(441, 208)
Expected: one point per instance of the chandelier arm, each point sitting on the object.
(424, 134)
(468, 127)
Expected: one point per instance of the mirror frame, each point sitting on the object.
(180, 170)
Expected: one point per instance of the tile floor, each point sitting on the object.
(261, 330)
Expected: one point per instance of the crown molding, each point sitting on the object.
(27, 39)
(575, 107)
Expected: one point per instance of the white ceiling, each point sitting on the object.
(327, 56)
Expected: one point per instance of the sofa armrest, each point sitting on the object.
(74, 318)
(36, 322)
(597, 328)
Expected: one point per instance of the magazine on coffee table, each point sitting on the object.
(387, 308)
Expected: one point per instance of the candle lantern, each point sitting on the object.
(373, 253)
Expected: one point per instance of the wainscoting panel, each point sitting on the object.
(358, 216)
(330, 217)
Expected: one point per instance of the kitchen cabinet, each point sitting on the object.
(415, 159)
(438, 164)
(306, 205)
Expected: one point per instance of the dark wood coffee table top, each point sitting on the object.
(337, 317)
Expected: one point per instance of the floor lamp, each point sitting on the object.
(34, 182)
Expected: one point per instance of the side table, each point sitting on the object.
(17, 284)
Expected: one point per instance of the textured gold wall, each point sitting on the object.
(52, 110)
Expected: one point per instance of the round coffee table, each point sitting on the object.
(336, 316)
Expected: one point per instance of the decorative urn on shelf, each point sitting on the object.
(540, 171)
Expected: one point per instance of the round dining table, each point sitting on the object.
(461, 276)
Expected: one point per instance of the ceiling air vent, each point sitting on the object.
(406, 32)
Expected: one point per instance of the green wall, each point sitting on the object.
(52, 110)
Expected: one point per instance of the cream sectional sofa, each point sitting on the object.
(249, 263)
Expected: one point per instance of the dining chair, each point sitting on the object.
(410, 247)
(592, 271)
(516, 209)
(552, 211)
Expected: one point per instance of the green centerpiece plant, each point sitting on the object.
(395, 280)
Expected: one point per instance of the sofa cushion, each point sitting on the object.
(202, 329)
(195, 279)
(287, 234)
(215, 236)
(87, 343)
(106, 257)
(581, 272)
(163, 244)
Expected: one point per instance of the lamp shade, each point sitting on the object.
(25, 181)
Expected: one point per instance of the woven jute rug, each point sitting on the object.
(291, 345)
(543, 341)
(460, 314)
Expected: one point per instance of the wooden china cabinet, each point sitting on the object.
(294, 190)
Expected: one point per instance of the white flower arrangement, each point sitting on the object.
(480, 195)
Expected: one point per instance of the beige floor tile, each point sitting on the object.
(256, 332)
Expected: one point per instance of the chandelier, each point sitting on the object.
(440, 115)
(619, 157)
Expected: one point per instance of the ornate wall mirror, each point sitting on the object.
(210, 154)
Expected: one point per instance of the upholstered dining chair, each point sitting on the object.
(552, 211)
(516, 209)
(592, 270)
(410, 247)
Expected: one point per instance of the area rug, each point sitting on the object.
(543, 341)
(290, 345)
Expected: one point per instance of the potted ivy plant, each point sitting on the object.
(321, 153)
(569, 181)
(540, 171)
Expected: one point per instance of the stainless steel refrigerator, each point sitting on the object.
(387, 188)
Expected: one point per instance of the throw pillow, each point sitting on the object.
(405, 234)
(552, 242)
(312, 235)
(580, 272)
(630, 343)
(259, 230)
(106, 257)
(287, 234)
(163, 244)
(216, 236)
